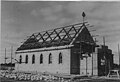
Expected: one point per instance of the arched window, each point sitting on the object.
(60, 57)
(20, 60)
(33, 59)
(26, 59)
(41, 59)
(50, 58)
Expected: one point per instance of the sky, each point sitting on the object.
(19, 19)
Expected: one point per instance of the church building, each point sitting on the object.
(65, 50)
(59, 50)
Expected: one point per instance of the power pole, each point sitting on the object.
(5, 55)
(80, 55)
(86, 64)
(11, 56)
(104, 55)
(103, 40)
(119, 53)
(92, 59)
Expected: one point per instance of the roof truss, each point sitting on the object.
(58, 36)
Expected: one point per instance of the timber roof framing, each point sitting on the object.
(55, 37)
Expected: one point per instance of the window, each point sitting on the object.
(20, 60)
(41, 59)
(33, 59)
(26, 59)
(50, 58)
(60, 57)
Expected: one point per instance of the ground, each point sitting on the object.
(83, 80)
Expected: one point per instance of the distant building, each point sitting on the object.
(100, 62)
(66, 50)
(7, 66)
(105, 59)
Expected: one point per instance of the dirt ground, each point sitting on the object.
(77, 80)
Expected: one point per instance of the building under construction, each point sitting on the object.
(66, 50)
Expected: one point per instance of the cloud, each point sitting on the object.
(51, 18)
(11, 25)
(46, 11)
(25, 2)
(79, 7)
(50, 13)
(8, 21)
(40, 16)
(35, 13)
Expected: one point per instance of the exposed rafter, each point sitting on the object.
(55, 37)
